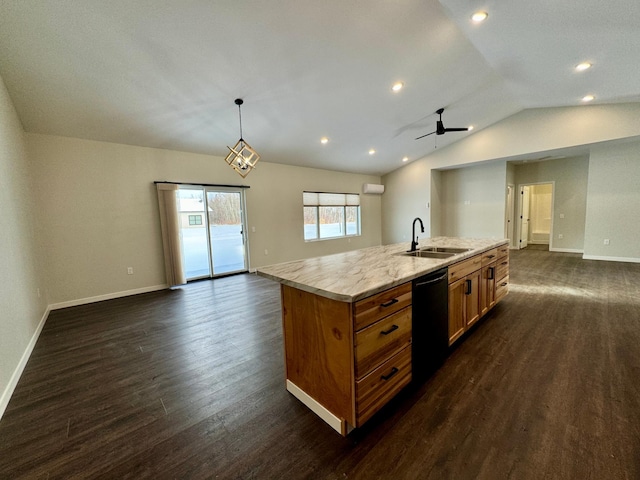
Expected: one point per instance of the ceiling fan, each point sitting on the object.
(440, 130)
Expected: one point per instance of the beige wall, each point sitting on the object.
(99, 214)
(569, 176)
(472, 201)
(613, 203)
(21, 310)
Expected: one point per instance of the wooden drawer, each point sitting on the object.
(503, 250)
(375, 307)
(381, 340)
(502, 268)
(382, 384)
(502, 288)
(489, 256)
(462, 269)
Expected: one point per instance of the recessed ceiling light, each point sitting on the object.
(588, 98)
(372, 151)
(479, 16)
(581, 67)
(397, 86)
(405, 159)
(324, 140)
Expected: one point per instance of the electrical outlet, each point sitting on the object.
(560, 235)
(129, 270)
(606, 241)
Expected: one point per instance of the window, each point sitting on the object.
(330, 215)
(195, 219)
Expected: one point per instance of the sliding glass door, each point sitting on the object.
(212, 229)
(226, 230)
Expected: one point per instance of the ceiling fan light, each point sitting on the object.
(372, 151)
(581, 67)
(478, 17)
(397, 86)
(324, 140)
(470, 127)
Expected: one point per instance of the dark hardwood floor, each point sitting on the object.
(190, 384)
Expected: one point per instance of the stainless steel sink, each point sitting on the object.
(428, 254)
(453, 250)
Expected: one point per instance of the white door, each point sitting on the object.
(525, 194)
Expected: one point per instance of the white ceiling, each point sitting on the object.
(165, 73)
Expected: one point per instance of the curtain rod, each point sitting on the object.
(202, 184)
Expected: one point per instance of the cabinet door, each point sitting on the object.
(487, 288)
(472, 297)
(457, 307)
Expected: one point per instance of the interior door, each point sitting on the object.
(525, 194)
(225, 207)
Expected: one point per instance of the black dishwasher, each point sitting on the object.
(430, 323)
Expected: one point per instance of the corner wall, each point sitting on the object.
(99, 212)
(22, 311)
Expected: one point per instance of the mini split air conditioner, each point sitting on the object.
(373, 188)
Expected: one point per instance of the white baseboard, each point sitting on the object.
(338, 424)
(108, 296)
(566, 250)
(612, 259)
(17, 373)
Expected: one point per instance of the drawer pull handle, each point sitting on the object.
(504, 284)
(490, 256)
(504, 263)
(387, 332)
(389, 303)
(394, 370)
(468, 285)
(491, 274)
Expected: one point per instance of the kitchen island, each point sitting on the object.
(348, 319)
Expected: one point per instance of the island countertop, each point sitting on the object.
(357, 274)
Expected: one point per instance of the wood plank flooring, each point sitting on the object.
(189, 383)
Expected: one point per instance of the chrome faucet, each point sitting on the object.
(414, 239)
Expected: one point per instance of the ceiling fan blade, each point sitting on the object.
(456, 129)
(425, 135)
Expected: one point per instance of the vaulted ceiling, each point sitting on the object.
(165, 73)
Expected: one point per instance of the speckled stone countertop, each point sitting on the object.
(354, 275)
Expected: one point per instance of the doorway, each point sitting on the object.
(509, 216)
(535, 218)
(212, 231)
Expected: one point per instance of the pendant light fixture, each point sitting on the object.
(242, 158)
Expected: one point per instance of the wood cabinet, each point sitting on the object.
(502, 273)
(476, 284)
(347, 360)
(464, 304)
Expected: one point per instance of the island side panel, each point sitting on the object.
(318, 339)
